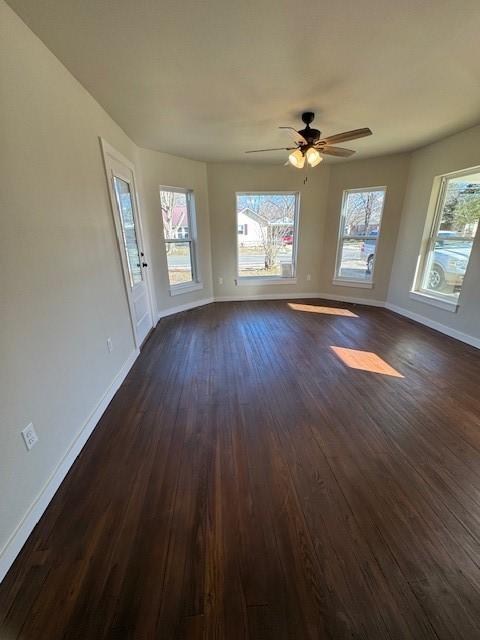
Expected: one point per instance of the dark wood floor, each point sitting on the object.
(245, 482)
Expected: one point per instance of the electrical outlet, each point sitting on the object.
(29, 436)
(309, 276)
(109, 345)
(220, 280)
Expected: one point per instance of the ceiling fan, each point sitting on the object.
(309, 145)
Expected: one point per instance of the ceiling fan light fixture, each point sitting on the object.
(313, 157)
(297, 159)
(310, 146)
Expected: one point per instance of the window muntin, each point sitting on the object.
(267, 227)
(360, 222)
(452, 232)
(179, 232)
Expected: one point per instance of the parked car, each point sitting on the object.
(367, 251)
(449, 262)
(288, 239)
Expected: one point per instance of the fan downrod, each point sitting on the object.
(310, 135)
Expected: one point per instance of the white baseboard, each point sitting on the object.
(339, 298)
(265, 296)
(18, 538)
(183, 307)
(433, 324)
(296, 296)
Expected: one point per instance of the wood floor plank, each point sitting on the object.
(258, 486)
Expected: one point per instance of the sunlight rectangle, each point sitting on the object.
(330, 311)
(365, 361)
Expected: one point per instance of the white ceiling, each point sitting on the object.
(209, 79)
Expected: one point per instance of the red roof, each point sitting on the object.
(179, 216)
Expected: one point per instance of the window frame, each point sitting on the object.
(267, 280)
(444, 301)
(341, 236)
(195, 283)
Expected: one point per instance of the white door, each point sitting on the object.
(123, 195)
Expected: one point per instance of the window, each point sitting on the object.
(267, 235)
(450, 238)
(178, 214)
(360, 222)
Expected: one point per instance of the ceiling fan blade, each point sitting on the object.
(336, 151)
(277, 149)
(295, 135)
(346, 135)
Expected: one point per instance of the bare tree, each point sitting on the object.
(279, 216)
(362, 206)
(168, 202)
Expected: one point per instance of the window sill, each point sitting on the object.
(356, 284)
(263, 281)
(178, 289)
(446, 305)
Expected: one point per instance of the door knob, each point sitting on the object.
(144, 264)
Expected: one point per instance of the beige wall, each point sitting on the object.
(388, 171)
(224, 180)
(61, 282)
(320, 204)
(157, 169)
(455, 153)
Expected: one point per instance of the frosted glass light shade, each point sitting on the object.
(297, 159)
(313, 157)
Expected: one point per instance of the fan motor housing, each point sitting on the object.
(310, 135)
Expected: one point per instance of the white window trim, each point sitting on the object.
(248, 281)
(353, 282)
(267, 280)
(446, 305)
(196, 283)
(349, 282)
(185, 287)
(442, 301)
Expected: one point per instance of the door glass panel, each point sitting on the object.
(124, 199)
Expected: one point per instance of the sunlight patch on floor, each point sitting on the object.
(366, 361)
(330, 311)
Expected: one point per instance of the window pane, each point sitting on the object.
(266, 228)
(446, 266)
(357, 259)
(361, 218)
(124, 198)
(461, 207)
(176, 224)
(362, 213)
(179, 259)
(452, 237)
